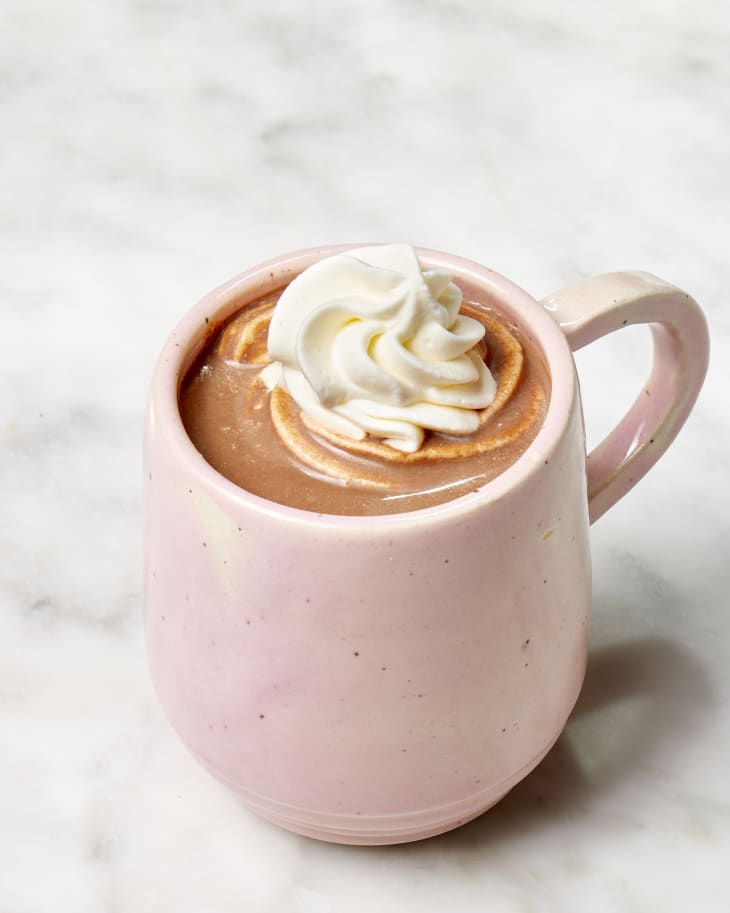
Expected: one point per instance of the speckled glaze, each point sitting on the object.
(382, 679)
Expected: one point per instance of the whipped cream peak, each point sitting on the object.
(368, 342)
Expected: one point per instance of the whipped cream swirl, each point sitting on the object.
(368, 343)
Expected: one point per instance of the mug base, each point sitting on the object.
(390, 837)
(378, 830)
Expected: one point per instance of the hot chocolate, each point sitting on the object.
(266, 442)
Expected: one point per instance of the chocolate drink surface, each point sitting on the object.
(260, 440)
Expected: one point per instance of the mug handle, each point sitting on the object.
(595, 307)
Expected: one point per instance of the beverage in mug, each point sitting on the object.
(367, 500)
(265, 442)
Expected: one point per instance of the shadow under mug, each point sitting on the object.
(380, 679)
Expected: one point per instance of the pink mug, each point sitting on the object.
(380, 679)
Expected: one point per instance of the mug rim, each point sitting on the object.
(198, 326)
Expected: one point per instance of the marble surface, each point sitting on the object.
(152, 149)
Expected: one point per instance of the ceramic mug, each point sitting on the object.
(380, 679)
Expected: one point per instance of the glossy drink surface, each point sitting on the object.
(258, 439)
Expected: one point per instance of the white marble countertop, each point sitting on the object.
(151, 150)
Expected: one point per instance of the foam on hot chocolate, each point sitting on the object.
(370, 344)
